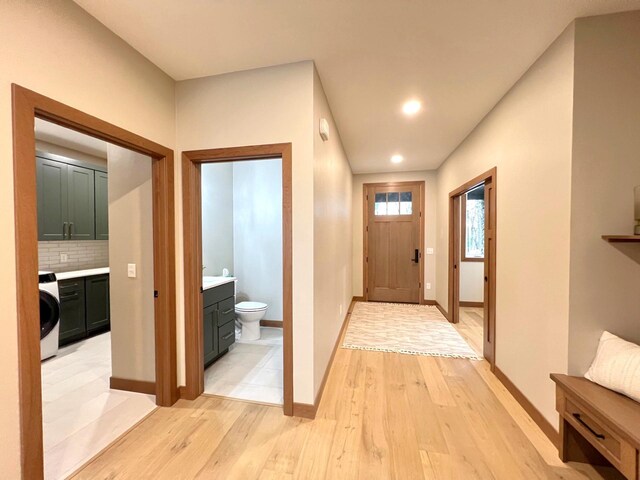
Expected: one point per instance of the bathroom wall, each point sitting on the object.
(81, 255)
(257, 233)
(131, 241)
(217, 218)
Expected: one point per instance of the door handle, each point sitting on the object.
(416, 256)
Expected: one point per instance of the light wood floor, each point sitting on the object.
(383, 415)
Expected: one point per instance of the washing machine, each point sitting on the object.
(49, 314)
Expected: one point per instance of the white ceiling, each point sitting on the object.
(65, 137)
(458, 57)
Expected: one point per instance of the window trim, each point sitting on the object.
(463, 232)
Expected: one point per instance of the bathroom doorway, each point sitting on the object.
(242, 279)
(238, 303)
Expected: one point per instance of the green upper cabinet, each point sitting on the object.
(102, 206)
(72, 201)
(52, 183)
(81, 203)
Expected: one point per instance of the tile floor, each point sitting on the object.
(81, 415)
(250, 371)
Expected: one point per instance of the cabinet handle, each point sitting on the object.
(227, 312)
(228, 335)
(70, 230)
(68, 286)
(584, 424)
(64, 230)
(68, 297)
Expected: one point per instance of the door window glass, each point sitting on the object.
(406, 205)
(381, 204)
(393, 203)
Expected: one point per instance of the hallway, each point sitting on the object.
(382, 415)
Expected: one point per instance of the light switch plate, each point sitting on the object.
(428, 286)
(131, 270)
(429, 251)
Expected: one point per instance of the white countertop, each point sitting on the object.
(210, 282)
(82, 273)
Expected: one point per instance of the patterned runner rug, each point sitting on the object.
(404, 328)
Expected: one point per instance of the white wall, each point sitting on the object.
(217, 218)
(59, 50)
(47, 147)
(471, 282)
(429, 177)
(257, 233)
(605, 278)
(131, 241)
(332, 186)
(268, 105)
(527, 136)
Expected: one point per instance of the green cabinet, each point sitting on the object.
(84, 307)
(81, 203)
(72, 201)
(102, 205)
(218, 317)
(72, 310)
(53, 214)
(209, 329)
(97, 302)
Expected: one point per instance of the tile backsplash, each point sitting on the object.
(81, 255)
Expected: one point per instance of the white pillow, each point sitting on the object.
(617, 366)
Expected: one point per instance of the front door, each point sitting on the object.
(393, 255)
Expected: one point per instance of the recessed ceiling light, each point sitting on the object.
(397, 158)
(411, 107)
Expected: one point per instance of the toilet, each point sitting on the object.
(250, 314)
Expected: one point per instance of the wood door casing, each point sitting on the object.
(490, 181)
(392, 273)
(489, 287)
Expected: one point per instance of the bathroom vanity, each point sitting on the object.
(218, 316)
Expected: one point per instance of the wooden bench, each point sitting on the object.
(597, 424)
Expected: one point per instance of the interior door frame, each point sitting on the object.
(26, 106)
(489, 261)
(365, 225)
(192, 224)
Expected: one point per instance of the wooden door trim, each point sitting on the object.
(26, 106)
(192, 225)
(454, 253)
(365, 239)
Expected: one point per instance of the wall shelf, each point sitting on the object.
(621, 238)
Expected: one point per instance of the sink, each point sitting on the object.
(210, 282)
